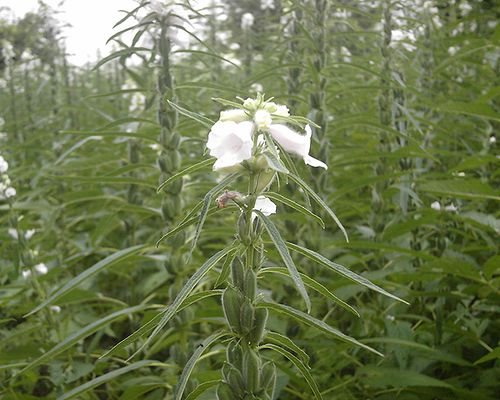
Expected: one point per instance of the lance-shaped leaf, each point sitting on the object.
(188, 368)
(79, 390)
(300, 366)
(287, 343)
(285, 255)
(316, 323)
(318, 200)
(114, 258)
(296, 206)
(341, 270)
(82, 334)
(172, 309)
(188, 170)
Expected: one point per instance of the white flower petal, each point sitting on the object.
(236, 115)
(263, 119)
(230, 142)
(436, 206)
(294, 142)
(265, 206)
(41, 268)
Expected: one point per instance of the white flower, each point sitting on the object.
(296, 143)
(436, 206)
(230, 142)
(55, 309)
(263, 119)
(451, 208)
(265, 206)
(492, 139)
(4, 165)
(29, 234)
(26, 273)
(12, 233)
(10, 192)
(267, 4)
(41, 269)
(257, 87)
(247, 20)
(236, 115)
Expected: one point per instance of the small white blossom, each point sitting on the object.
(262, 119)
(452, 50)
(247, 21)
(267, 4)
(4, 165)
(492, 139)
(41, 269)
(265, 206)
(29, 234)
(451, 208)
(55, 309)
(465, 7)
(257, 87)
(10, 192)
(436, 205)
(12, 233)
(294, 142)
(26, 273)
(230, 142)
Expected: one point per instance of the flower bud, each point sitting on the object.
(236, 115)
(263, 119)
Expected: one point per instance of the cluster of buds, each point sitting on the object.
(245, 376)
(238, 138)
(6, 190)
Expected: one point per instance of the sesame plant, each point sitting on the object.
(157, 244)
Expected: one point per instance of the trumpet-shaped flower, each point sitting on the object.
(294, 142)
(230, 142)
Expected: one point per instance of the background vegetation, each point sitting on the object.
(407, 97)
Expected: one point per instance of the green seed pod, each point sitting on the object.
(224, 392)
(238, 273)
(243, 229)
(268, 378)
(251, 370)
(168, 208)
(175, 187)
(231, 303)
(235, 381)
(247, 316)
(259, 326)
(234, 355)
(173, 141)
(250, 285)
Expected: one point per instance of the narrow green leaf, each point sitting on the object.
(201, 388)
(286, 342)
(188, 170)
(320, 201)
(316, 323)
(114, 258)
(208, 123)
(274, 163)
(341, 270)
(296, 206)
(304, 370)
(128, 29)
(285, 255)
(82, 334)
(79, 390)
(120, 53)
(207, 200)
(492, 355)
(313, 284)
(172, 309)
(188, 368)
